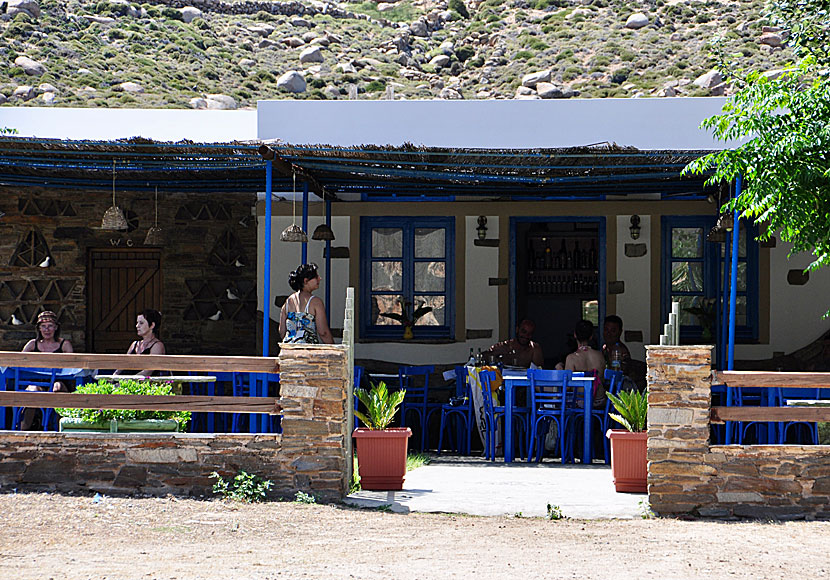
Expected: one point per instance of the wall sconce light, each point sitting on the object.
(635, 227)
(482, 227)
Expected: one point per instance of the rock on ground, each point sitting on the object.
(292, 81)
(30, 67)
(636, 20)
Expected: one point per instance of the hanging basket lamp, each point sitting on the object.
(293, 233)
(323, 232)
(114, 218)
(154, 236)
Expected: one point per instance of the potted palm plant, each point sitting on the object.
(381, 451)
(629, 466)
(404, 317)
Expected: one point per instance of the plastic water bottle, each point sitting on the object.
(471, 362)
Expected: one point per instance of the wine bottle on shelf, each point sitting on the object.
(592, 255)
(563, 256)
(577, 256)
(548, 257)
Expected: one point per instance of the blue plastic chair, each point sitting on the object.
(358, 376)
(416, 401)
(492, 414)
(463, 414)
(550, 392)
(805, 430)
(22, 379)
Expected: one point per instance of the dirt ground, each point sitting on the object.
(57, 536)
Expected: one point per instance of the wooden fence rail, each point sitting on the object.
(162, 362)
(195, 403)
(771, 379)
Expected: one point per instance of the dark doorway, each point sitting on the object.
(122, 283)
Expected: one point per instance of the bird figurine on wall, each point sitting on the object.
(45, 262)
(16, 321)
(231, 295)
(216, 316)
(238, 264)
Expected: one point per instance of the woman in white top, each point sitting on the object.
(303, 316)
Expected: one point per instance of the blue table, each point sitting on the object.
(512, 380)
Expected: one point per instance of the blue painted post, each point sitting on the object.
(733, 290)
(724, 310)
(328, 264)
(305, 221)
(266, 277)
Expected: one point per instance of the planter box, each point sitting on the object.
(134, 426)
(381, 457)
(629, 465)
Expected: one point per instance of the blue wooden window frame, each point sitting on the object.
(408, 225)
(712, 277)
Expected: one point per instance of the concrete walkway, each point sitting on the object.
(478, 487)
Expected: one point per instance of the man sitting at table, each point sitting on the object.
(519, 351)
(587, 360)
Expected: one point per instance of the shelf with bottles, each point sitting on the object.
(561, 253)
(573, 283)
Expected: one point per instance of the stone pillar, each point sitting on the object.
(679, 399)
(313, 391)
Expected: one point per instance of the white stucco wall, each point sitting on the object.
(482, 264)
(634, 305)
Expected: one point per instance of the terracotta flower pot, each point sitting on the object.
(381, 457)
(629, 465)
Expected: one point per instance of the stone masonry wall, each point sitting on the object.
(686, 475)
(310, 455)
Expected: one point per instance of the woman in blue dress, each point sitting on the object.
(303, 316)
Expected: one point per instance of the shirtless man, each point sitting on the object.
(588, 360)
(520, 351)
(611, 333)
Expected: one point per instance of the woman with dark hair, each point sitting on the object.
(48, 331)
(147, 326)
(302, 318)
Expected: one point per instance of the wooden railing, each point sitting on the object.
(763, 379)
(197, 403)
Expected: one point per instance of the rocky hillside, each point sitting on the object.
(230, 53)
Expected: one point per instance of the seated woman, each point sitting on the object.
(47, 339)
(147, 325)
(588, 360)
(302, 318)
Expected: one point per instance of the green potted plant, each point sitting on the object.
(404, 317)
(123, 420)
(381, 451)
(629, 465)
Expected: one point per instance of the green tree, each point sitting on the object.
(784, 125)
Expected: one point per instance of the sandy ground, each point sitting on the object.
(55, 536)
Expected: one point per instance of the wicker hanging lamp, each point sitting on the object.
(114, 218)
(154, 236)
(293, 233)
(323, 231)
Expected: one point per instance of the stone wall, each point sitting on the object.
(687, 475)
(203, 234)
(311, 454)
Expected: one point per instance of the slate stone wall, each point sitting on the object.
(310, 455)
(687, 475)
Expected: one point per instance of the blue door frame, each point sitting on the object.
(515, 221)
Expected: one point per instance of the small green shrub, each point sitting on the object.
(459, 6)
(555, 512)
(524, 55)
(245, 487)
(302, 497)
(375, 86)
(463, 53)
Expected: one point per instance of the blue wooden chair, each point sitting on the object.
(804, 432)
(358, 377)
(764, 432)
(44, 378)
(461, 412)
(550, 392)
(600, 416)
(492, 414)
(415, 379)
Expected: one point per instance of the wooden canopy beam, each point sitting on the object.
(289, 169)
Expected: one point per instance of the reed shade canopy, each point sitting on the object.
(323, 231)
(293, 233)
(114, 218)
(154, 237)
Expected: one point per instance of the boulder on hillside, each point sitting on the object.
(636, 20)
(293, 41)
(534, 78)
(217, 102)
(300, 22)
(247, 63)
(29, 66)
(189, 13)
(24, 93)
(548, 91)
(47, 88)
(28, 7)
(129, 87)
(772, 39)
(311, 54)
(440, 61)
(450, 94)
(709, 80)
(292, 81)
(198, 103)
(48, 98)
(418, 28)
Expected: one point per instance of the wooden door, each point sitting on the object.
(122, 283)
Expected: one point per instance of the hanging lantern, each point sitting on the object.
(293, 233)
(323, 231)
(114, 218)
(154, 237)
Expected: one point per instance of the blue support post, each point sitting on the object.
(305, 221)
(266, 276)
(328, 264)
(724, 308)
(733, 289)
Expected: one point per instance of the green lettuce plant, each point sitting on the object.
(632, 409)
(381, 405)
(125, 387)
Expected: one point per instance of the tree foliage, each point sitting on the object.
(783, 124)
